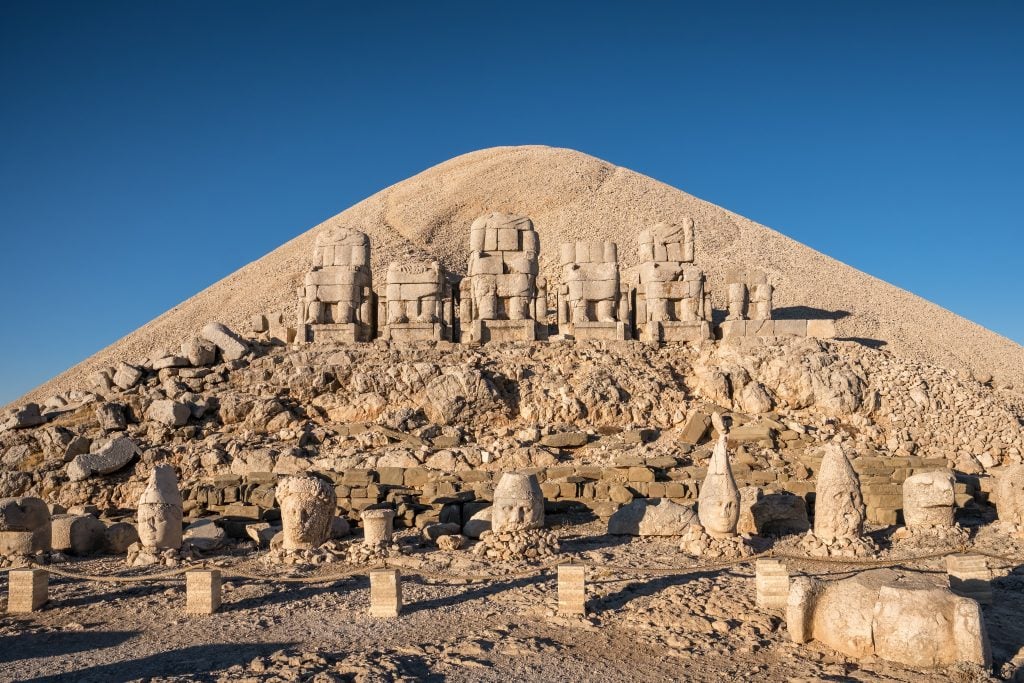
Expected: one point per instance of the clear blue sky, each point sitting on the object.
(150, 148)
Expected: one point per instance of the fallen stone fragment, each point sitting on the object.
(107, 460)
(126, 376)
(78, 534)
(652, 517)
(169, 413)
(23, 417)
(29, 515)
(230, 344)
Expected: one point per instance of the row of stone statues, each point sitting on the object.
(503, 298)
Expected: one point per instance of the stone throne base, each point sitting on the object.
(596, 331)
(676, 331)
(345, 333)
(414, 332)
(480, 331)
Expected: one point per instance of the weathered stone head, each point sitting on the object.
(928, 499)
(24, 526)
(307, 506)
(160, 510)
(838, 504)
(1009, 498)
(718, 505)
(518, 503)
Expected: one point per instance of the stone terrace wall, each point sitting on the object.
(423, 496)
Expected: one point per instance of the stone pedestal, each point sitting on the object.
(597, 331)
(341, 333)
(970, 577)
(572, 589)
(822, 329)
(772, 583)
(385, 593)
(378, 526)
(504, 330)
(202, 591)
(677, 331)
(27, 590)
(413, 332)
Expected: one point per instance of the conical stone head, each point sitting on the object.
(160, 510)
(718, 505)
(518, 503)
(838, 504)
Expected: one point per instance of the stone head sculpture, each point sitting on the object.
(718, 505)
(518, 503)
(307, 506)
(838, 504)
(160, 510)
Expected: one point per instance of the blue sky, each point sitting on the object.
(149, 148)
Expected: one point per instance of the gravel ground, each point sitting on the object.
(702, 626)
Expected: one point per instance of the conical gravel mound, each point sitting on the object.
(571, 196)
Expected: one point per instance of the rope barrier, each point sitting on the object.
(535, 570)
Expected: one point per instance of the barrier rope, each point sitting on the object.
(534, 570)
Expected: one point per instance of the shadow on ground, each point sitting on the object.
(58, 643)
(191, 663)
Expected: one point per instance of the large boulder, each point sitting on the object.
(126, 376)
(78, 534)
(204, 535)
(169, 413)
(26, 515)
(478, 523)
(231, 346)
(119, 537)
(111, 417)
(199, 352)
(23, 417)
(773, 514)
(652, 517)
(107, 460)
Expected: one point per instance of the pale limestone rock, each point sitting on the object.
(204, 535)
(928, 499)
(126, 376)
(1009, 498)
(169, 413)
(479, 523)
(307, 508)
(877, 614)
(652, 517)
(838, 505)
(718, 504)
(518, 503)
(231, 346)
(199, 352)
(77, 534)
(773, 514)
(23, 417)
(160, 511)
(107, 460)
(30, 515)
(119, 537)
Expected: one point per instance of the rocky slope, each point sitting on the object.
(449, 407)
